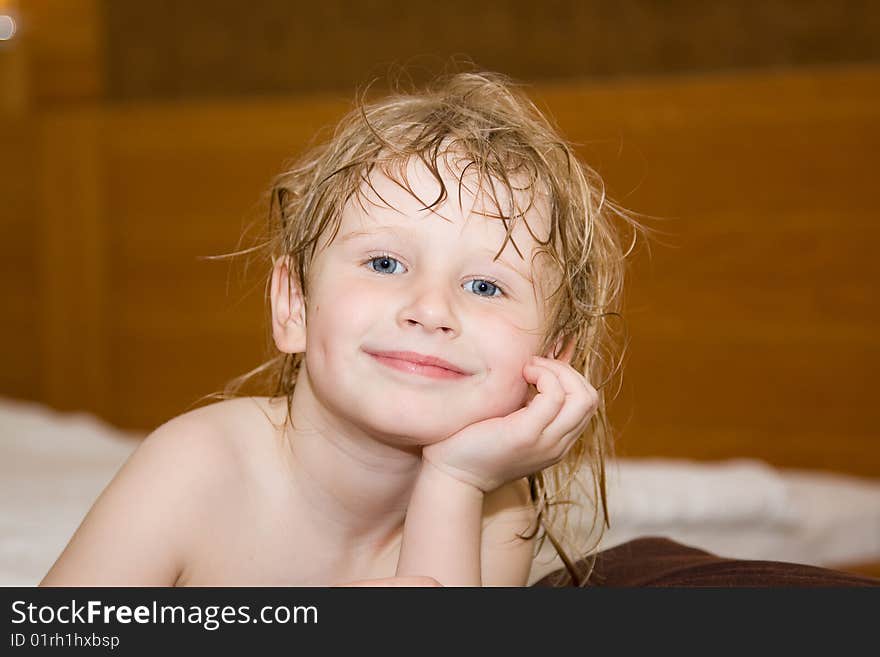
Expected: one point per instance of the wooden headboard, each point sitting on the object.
(753, 321)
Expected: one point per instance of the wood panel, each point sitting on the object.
(20, 347)
(225, 48)
(73, 262)
(753, 320)
(63, 41)
(13, 67)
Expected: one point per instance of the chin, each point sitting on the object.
(418, 428)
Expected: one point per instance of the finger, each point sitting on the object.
(544, 407)
(561, 447)
(570, 378)
(572, 436)
(580, 400)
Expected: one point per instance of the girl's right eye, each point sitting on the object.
(384, 264)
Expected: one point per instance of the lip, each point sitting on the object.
(416, 363)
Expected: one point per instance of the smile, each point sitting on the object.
(430, 371)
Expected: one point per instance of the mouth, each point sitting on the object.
(419, 364)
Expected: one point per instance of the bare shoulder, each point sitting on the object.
(235, 434)
(196, 449)
(141, 528)
(218, 448)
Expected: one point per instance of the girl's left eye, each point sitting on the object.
(387, 264)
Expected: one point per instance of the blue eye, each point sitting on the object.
(484, 284)
(385, 262)
(386, 265)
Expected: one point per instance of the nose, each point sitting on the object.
(430, 307)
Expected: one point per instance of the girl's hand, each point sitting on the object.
(490, 453)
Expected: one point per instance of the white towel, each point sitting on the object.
(655, 493)
(53, 466)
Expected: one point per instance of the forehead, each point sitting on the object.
(399, 200)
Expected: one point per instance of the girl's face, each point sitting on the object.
(405, 279)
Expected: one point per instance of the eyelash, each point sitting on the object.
(486, 279)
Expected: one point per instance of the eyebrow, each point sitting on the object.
(388, 229)
(364, 233)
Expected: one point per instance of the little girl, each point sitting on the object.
(434, 384)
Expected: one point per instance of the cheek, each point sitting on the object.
(339, 308)
(504, 356)
(332, 313)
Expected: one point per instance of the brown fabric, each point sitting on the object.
(661, 562)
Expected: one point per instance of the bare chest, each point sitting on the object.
(254, 535)
(257, 540)
(255, 566)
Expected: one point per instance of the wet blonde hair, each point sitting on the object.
(504, 139)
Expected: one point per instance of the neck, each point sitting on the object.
(354, 486)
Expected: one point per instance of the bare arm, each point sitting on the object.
(466, 539)
(138, 531)
(442, 530)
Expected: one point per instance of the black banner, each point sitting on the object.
(123, 621)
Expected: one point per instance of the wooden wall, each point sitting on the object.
(227, 48)
(755, 330)
(20, 285)
(753, 325)
(752, 320)
(165, 49)
(57, 56)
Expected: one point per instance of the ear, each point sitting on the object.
(288, 310)
(563, 350)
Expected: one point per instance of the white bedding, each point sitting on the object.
(53, 466)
